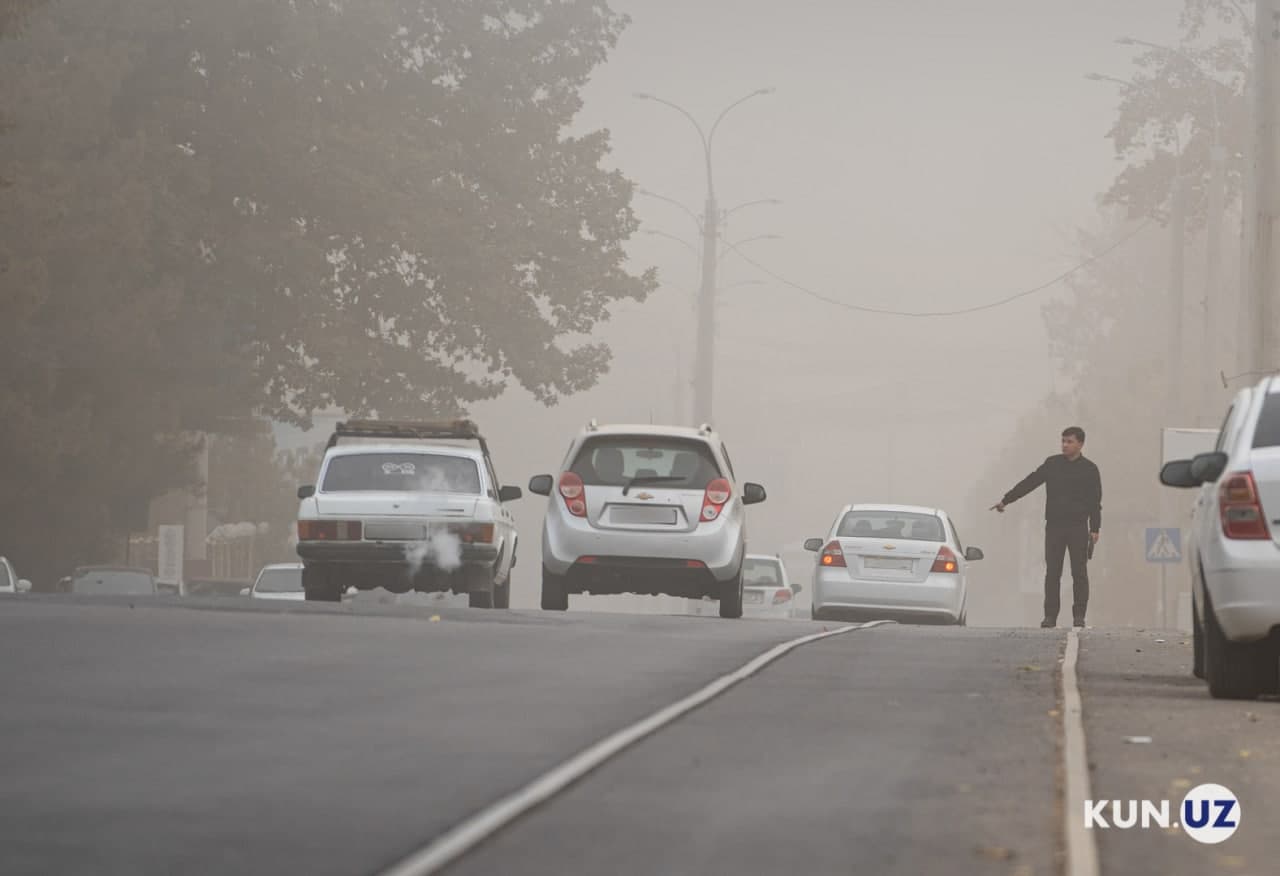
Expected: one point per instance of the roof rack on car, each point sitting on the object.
(705, 429)
(424, 430)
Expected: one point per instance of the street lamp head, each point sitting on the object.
(1092, 77)
(769, 90)
(1126, 41)
(642, 95)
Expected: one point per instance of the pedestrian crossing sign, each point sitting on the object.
(1164, 545)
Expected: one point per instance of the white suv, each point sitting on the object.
(420, 508)
(645, 509)
(1233, 548)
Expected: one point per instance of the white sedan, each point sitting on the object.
(278, 581)
(900, 562)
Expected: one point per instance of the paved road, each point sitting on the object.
(273, 738)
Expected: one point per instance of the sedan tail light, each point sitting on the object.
(782, 596)
(945, 561)
(1240, 508)
(714, 499)
(330, 530)
(832, 555)
(473, 533)
(573, 493)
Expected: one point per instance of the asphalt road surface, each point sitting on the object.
(238, 737)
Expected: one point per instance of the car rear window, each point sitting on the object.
(109, 582)
(871, 523)
(617, 460)
(401, 473)
(279, 581)
(1267, 432)
(761, 573)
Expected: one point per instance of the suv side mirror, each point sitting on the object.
(813, 544)
(24, 586)
(796, 587)
(1177, 474)
(306, 492)
(541, 485)
(753, 494)
(1206, 468)
(509, 494)
(244, 591)
(973, 553)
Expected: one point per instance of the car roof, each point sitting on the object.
(441, 449)
(648, 429)
(896, 509)
(762, 557)
(270, 566)
(81, 570)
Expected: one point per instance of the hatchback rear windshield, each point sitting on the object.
(761, 573)
(402, 473)
(1267, 433)
(617, 460)
(110, 582)
(891, 524)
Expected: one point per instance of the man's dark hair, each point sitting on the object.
(1074, 432)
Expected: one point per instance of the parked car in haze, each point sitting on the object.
(767, 591)
(281, 581)
(113, 581)
(9, 580)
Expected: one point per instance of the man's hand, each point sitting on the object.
(999, 506)
(1094, 536)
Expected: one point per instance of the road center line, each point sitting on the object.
(1082, 850)
(488, 821)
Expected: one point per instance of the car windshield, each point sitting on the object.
(402, 473)
(279, 581)
(113, 582)
(761, 573)
(670, 463)
(5, 581)
(872, 523)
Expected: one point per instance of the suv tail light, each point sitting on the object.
(473, 533)
(573, 493)
(330, 530)
(832, 555)
(945, 561)
(783, 595)
(1240, 509)
(714, 499)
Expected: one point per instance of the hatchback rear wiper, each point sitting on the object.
(651, 479)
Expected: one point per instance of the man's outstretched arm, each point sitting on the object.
(1022, 487)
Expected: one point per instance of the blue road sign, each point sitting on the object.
(1164, 545)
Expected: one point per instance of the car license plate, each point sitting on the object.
(753, 598)
(898, 564)
(394, 531)
(643, 515)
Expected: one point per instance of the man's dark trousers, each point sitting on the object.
(1072, 539)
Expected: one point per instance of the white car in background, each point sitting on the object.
(1233, 548)
(280, 581)
(416, 507)
(9, 580)
(898, 562)
(767, 591)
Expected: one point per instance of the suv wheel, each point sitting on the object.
(1236, 670)
(731, 596)
(321, 584)
(555, 595)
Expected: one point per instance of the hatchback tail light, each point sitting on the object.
(945, 561)
(782, 596)
(714, 499)
(1240, 508)
(832, 555)
(330, 530)
(573, 493)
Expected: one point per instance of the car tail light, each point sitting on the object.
(573, 493)
(714, 499)
(694, 564)
(473, 533)
(1240, 509)
(832, 555)
(781, 596)
(945, 561)
(330, 530)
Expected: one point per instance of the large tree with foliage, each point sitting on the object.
(220, 208)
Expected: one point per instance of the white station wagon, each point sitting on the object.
(407, 506)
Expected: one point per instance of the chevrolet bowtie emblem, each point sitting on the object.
(890, 547)
(645, 496)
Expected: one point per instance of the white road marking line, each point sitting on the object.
(1082, 850)
(454, 843)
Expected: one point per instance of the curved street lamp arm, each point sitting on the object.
(692, 215)
(677, 238)
(706, 141)
(720, 118)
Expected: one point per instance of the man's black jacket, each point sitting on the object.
(1074, 491)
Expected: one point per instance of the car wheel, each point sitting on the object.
(731, 596)
(321, 584)
(1235, 670)
(481, 588)
(555, 594)
(1197, 643)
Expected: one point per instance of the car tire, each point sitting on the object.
(1197, 643)
(502, 594)
(321, 584)
(731, 596)
(1235, 670)
(555, 593)
(481, 588)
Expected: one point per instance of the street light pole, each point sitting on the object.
(704, 373)
(1261, 252)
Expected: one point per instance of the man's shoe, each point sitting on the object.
(1078, 623)
(1048, 624)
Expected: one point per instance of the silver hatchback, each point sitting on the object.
(645, 509)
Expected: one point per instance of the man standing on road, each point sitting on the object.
(1072, 520)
